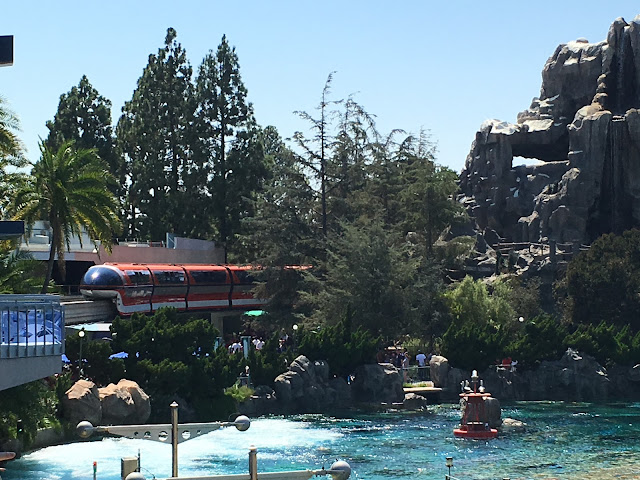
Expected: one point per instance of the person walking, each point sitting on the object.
(421, 358)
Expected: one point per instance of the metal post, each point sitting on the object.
(81, 334)
(253, 463)
(174, 439)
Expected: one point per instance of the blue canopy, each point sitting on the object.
(118, 355)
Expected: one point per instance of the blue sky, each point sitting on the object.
(442, 66)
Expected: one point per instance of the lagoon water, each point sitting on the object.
(562, 441)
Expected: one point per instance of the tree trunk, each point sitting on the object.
(52, 258)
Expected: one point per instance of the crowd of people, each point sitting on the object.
(401, 359)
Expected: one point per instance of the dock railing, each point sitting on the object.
(416, 374)
(31, 326)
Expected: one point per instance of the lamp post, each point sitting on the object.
(449, 464)
(81, 334)
(295, 331)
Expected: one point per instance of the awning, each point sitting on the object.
(92, 327)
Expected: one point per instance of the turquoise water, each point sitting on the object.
(563, 441)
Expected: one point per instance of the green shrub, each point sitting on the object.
(239, 393)
(342, 348)
(541, 338)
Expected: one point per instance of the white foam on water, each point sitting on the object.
(221, 451)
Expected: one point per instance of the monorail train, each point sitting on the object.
(144, 288)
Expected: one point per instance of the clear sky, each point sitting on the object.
(442, 66)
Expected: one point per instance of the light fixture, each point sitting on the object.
(295, 327)
(449, 464)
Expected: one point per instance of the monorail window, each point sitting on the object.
(245, 277)
(211, 276)
(165, 277)
(138, 277)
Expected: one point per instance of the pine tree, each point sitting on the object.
(84, 117)
(155, 136)
(229, 145)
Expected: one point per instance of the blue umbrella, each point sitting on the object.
(119, 355)
(65, 359)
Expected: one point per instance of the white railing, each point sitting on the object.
(31, 326)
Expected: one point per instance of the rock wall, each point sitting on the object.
(573, 378)
(585, 129)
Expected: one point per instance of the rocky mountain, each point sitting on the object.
(585, 131)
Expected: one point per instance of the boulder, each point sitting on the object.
(378, 383)
(124, 403)
(306, 388)
(439, 369)
(511, 424)
(82, 402)
(413, 401)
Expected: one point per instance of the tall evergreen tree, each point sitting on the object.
(155, 136)
(280, 232)
(316, 150)
(84, 117)
(428, 190)
(229, 141)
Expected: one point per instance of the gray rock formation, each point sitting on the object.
(573, 378)
(378, 383)
(413, 401)
(306, 388)
(585, 130)
(124, 403)
(439, 369)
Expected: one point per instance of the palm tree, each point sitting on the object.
(9, 144)
(11, 154)
(69, 188)
(18, 270)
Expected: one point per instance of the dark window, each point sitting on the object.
(212, 276)
(165, 278)
(139, 278)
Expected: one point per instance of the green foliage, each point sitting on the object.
(96, 364)
(267, 364)
(472, 345)
(606, 342)
(19, 271)
(542, 338)
(239, 393)
(25, 408)
(427, 196)
(11, 155)
(452, 253)
(342, 347)
(602, 284)
(84, 117)
(281, 231)
(68, 187)
(155, 135)
(229, 146)
(481, 326)
(170, 356)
